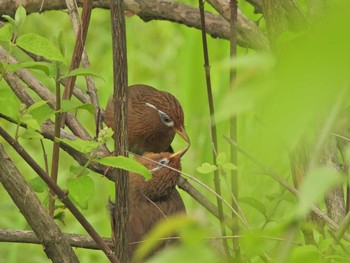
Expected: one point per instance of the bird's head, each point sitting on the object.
(165, 168)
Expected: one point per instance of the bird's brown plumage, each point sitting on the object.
(153, 200)
(146, 130)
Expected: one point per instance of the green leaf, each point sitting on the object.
(80, 145)
(315, 185)
(20, 16)
(255, 204)
(229, 166)
(162, 230)
(41, 111)
(69, 105)
(77, 170)
(10, 19)
(221, 158)
(81, 72)
(82, 189)
(126, 163)
(37, 184)
(42, 66)
(60, 216)
(9, 104)
(6, 33)
(37, 105)
(40, 46)
(206, 168)
(31, 134)
(30, 121)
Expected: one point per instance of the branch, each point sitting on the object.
(249, 35)
(120, 214)
(29, 237)
(62, 196)
(55, 245)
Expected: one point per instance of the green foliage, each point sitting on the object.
(81, 189)
(282, 99)
(69, 105)
(40, 46)
(37, 184)
(126, 163)
(81, 72)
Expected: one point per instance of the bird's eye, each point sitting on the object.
(160, 164)
(166, 119)
(164, 161)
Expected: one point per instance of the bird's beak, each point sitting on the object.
(183, 134)
(180, 153)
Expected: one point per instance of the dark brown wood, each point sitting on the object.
(55, 245)
(249, 34)
(120, 216)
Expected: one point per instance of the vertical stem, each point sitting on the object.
(120, 128)
(56, 144)
(233, 127)
(213, 124)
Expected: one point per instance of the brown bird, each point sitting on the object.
(154, 117)
(153, 200)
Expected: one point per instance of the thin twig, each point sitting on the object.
(212, 122)
(74, 14)
(233, 125)
(78, 50)
(56, 144)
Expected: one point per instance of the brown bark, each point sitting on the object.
(55, 245)
(249, 35)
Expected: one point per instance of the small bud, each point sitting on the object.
(22, 109)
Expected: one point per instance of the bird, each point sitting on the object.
(153, 200)
(154, 117)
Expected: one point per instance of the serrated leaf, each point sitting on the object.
(81, 72)
(229, 166)
(80, 145)
(82, 189)
(206, 168)
(42, 113)
(6, 33)
(315, 185)
(126, 163)
(69, 105)
(40, 46)
(42, 66)
(255, 204)
(37, 184)
(20, 16)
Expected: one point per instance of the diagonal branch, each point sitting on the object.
(55, 245)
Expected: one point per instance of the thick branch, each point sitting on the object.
(55, 245)
(249, 35)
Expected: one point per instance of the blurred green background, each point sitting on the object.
(280, 99)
